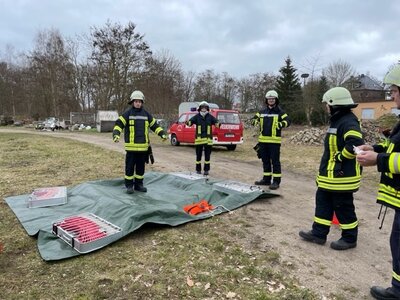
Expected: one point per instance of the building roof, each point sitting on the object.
(362, 82)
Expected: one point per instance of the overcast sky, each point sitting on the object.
(238, 37)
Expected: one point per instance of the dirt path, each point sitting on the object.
(277, 221)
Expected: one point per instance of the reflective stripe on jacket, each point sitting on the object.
(388, 162)
(136, 123)
(203, 133)
(271, 121)
(339, 171)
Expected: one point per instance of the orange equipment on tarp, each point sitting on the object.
(198, 208)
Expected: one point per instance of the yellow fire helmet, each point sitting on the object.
(393, 76)
(338, 96)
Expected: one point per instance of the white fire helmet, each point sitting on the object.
(271, 94)
(136, 95)
(203, 104)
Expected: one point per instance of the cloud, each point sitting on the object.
(238, 37)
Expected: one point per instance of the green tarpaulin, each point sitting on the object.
(162, 204)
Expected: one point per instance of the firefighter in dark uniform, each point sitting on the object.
(203, 135)
(339, 173)
(386, 156)
(271, 120)
(135, 122)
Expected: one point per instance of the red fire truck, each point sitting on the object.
(229, 134)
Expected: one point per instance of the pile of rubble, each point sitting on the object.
(309, 136)
(371, 132)
(315, 136)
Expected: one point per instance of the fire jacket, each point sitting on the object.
(388, 163)
(136, 123)
(204, 124)
(271, 122)
(339, 171)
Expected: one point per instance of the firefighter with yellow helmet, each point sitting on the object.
(136, 122)
(339, 173)
(386, 156)
(203, 135)
(271, 121)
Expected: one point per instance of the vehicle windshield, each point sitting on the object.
(228, 118)
(183, 118)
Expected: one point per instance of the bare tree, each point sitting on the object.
(206, 86)
(252, 89)
(312, 67)
(51, 71)
(162, 82)
(13, 100)
(216, 88)
(80, 73)
(118, 60)
(338, 72)
(311, 101)
(228, 91)
(188, 86)
(6, 99)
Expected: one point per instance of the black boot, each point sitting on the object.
(342, 245)
(381, 293)
(274, 186)
(140, 188)
(129, 190)
(310, 237)
(198, 168)
(263, 182)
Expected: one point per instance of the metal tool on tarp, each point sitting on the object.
(48, 196)
(86, 232)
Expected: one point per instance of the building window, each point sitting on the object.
(367, 114)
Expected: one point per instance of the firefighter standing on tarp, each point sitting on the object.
(136, 123)
(271, 120)
(339, 173)
(203, 135)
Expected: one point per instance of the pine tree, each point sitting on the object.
(289, 91)
(322, 87)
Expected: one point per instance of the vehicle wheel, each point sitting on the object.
(174, 140)
(231, 147)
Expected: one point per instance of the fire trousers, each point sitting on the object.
(207, 157)
(342, 205)
(134, 167)
(395, 249)
(270, 156)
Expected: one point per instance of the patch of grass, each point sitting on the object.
(197, 260)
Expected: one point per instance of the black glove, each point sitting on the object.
(258, 150)
(150, 155)
(338, 165)
(386, 132)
